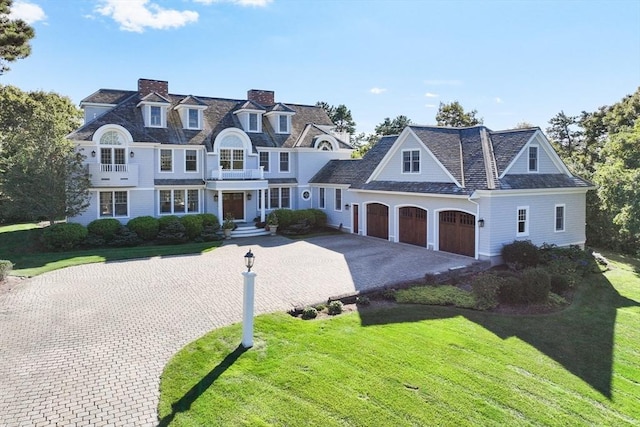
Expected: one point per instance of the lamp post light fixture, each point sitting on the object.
(247, 303)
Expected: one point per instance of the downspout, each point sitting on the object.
(477, 227)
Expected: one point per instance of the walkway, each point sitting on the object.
(86, 345)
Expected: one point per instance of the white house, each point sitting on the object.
(462, 190)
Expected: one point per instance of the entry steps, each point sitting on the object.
(246, 229)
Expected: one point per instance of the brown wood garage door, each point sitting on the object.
(458, 233)
(413, 226)
(378, 220)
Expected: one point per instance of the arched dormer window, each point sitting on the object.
(326, 143)
(325, 146)
(232, 146)
(113, 153)
(111, 137)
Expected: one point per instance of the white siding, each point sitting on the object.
(430, 171)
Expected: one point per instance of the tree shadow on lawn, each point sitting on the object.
(185, 402)
(581, 337)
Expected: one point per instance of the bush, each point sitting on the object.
(285, 217)
(164, 221)
(572, 259)
(559, 283)
(64, 236)
(334, 307)
(209, 220)
(146, 227)
(125, 238)
(94, 241)
(537, 285)
(521, 254)
(363, 300)
(319, 216)
(5, 267)
(512, 291)
(104, 227)
(485, 287)
(303, 218)
(436, 295)
(320, 307)
(209, 234)
(193, 226)
(309, 313)
(172, 233)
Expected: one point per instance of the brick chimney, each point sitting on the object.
(146, 86)
(262, 97)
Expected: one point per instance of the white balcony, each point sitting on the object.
(110, 175)
(237, 175)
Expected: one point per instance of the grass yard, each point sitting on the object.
(19, 244)
(422, 365)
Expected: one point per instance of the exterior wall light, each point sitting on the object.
(132, 154)
(248, 196)
(215, 197)
(93, 153)
(481, 222)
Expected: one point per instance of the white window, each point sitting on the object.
(253, 122)
(264, 160)
(166, 160)
(533, 158)
(114, 204)
(279, 198)
(338, 199)
(179, 201)
(325, 146)
(283, 121)
(191, 161)
(284, 162)
(559, 217)
(231, 159)
(306, 195)
(155, 116)
(321, 203)
(411, 161)
(522, 221)
(193, 118)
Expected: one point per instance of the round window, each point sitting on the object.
(306, 195)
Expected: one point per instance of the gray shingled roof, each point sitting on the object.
(280, 107)
(460, 150)
(192, 100)
(216, 117)
(155, 97)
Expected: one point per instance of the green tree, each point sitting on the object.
(524, 125)
(453, 115)
(340, 116)
(392, 127)
(41, 173)
(14, 37)
(563, 131)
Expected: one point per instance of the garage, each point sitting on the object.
(413, 226)
(458, 233)
(378, 220)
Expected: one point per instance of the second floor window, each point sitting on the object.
(253, 122)
(194, 119)
(284, 124)
(533, 159)
(191, 161)
(155, 118)
(284, 162)
(166, 161)
(411, 161)
(232, 159)
(264, 160)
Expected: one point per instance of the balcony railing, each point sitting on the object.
(113, 175)
(237, 175)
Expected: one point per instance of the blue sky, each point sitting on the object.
(513, 61)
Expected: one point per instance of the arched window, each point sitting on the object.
(325, 146)
(111, 138)
(112, 158)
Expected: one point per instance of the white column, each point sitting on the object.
(262, 204)
(247, 308)
(220, 218)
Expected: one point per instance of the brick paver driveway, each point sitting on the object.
(86, 345)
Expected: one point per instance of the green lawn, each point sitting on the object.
(421, 365)
(19, 244)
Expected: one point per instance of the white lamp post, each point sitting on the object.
(247, 306)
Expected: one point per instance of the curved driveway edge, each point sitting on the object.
(86, 345)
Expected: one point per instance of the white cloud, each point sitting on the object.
(256, 3)
(28, 12)
(137, 15)
(498, 100)
(431, 95)
(377, 90)
(443, 82)
(430, 105)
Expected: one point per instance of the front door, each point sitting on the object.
(233, 204)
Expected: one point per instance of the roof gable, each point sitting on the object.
(535, 137)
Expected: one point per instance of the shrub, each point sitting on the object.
(334, 307)
(94, 241)
(320, 307)
(146, 227)
(172, 233)
(309, 313)
(436, 295)
(209, 220)
(5, 267)
(537, 285)
(512, 291)
(285, 217)
(573, 259)
(319, 216)
(125, 238)
(209, 234)
(363, 300)
(104, 227)
(565, 268)
(559, 283)
(64, 236)
(521, 254)
(485, 288)
(192, 225)
(164, 221)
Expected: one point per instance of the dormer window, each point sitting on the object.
(533, 158)
(193, 118)
(154, 110)
(283, 121)
(155, 116)
(253, 122)
(190, 110)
